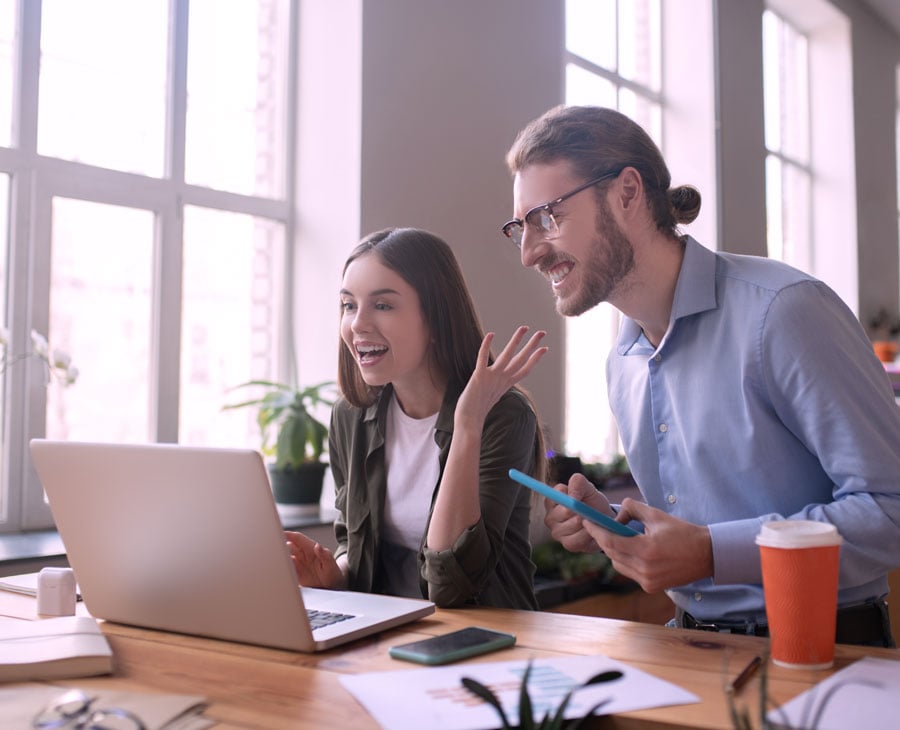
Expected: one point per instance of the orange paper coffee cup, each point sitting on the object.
(800, 583)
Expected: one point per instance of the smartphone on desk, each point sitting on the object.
(453, 647)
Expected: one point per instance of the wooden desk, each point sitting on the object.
(256, 687)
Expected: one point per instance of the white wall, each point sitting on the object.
(445, 86)
(412, 130)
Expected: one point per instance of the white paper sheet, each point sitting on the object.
(865, 694)
(434, 698)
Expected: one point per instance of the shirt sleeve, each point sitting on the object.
(336, 455)
(460, 574)
(832, 395)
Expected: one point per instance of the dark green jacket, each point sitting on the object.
(490, 564)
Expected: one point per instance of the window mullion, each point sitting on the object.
(166, 331)
(25, 93)
(177, 112)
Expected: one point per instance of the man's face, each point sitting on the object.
(589, 258)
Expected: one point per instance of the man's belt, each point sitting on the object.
(867, 623)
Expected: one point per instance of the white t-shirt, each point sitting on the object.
(412, 463)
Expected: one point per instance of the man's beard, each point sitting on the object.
(611, 260)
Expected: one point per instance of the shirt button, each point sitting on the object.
(663, 428)
(671, 499)
(657, 357)
(698, 597)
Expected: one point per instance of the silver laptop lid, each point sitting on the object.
(177, 538)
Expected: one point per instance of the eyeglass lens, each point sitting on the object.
(540, 219)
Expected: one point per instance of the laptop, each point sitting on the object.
(188, 539)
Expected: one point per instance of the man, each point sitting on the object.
(744, 390)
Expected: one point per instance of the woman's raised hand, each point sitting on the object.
(490, 381)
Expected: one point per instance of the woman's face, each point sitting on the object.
(383, 326)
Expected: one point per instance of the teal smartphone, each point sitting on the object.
(453, 647)
(545, 490)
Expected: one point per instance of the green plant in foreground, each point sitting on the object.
(527, 720)
(813, 711)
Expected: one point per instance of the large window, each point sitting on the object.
(145, 179)
(809, 136)
(788, 173)
(613, 59)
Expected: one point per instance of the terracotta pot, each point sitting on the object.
(886, 350)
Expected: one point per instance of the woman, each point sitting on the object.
(422, 440)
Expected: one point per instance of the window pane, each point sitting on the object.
(4, 351)
(583, 87)
(795, 91)
(591, 31)
(233, 269)
(786, 89)
(642, 110)
(237, 61)
(4, 242)
(639, 42)
(774, 217)
(788, 211)
(772, 81)
(796, 217)
(7, 41)
(590, 429)
(100, 314)
(103, 83)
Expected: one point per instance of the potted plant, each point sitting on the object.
(883, 331)
(300, 438)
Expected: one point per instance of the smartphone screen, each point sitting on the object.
(454, 646)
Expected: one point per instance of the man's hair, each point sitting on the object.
(596, 141)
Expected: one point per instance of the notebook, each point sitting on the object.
(188, 539)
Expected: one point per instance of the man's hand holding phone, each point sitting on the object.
(566, 526)
(569, 499)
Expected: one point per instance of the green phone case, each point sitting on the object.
(453, 647)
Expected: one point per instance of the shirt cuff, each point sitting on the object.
(453, 575)
(735, 553)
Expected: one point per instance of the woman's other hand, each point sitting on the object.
(314, 564)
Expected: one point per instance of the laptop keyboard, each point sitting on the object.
(318, 619)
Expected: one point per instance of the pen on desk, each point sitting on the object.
(745, 674)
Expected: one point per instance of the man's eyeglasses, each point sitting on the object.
(541, 216)
(75, 711)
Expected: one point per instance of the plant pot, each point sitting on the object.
(886, 350)
(300, 486)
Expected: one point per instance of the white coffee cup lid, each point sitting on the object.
(797, 534)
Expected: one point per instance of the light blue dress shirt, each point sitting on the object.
(763, 401)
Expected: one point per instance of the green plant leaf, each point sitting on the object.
(284, 411)
(479, 690)
(526, 714)
(608, 676)
(574, 725)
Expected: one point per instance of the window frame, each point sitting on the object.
(832, 216)
(687, 111)
(35, 181)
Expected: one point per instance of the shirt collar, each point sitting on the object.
(695, 292)
(378, 410)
